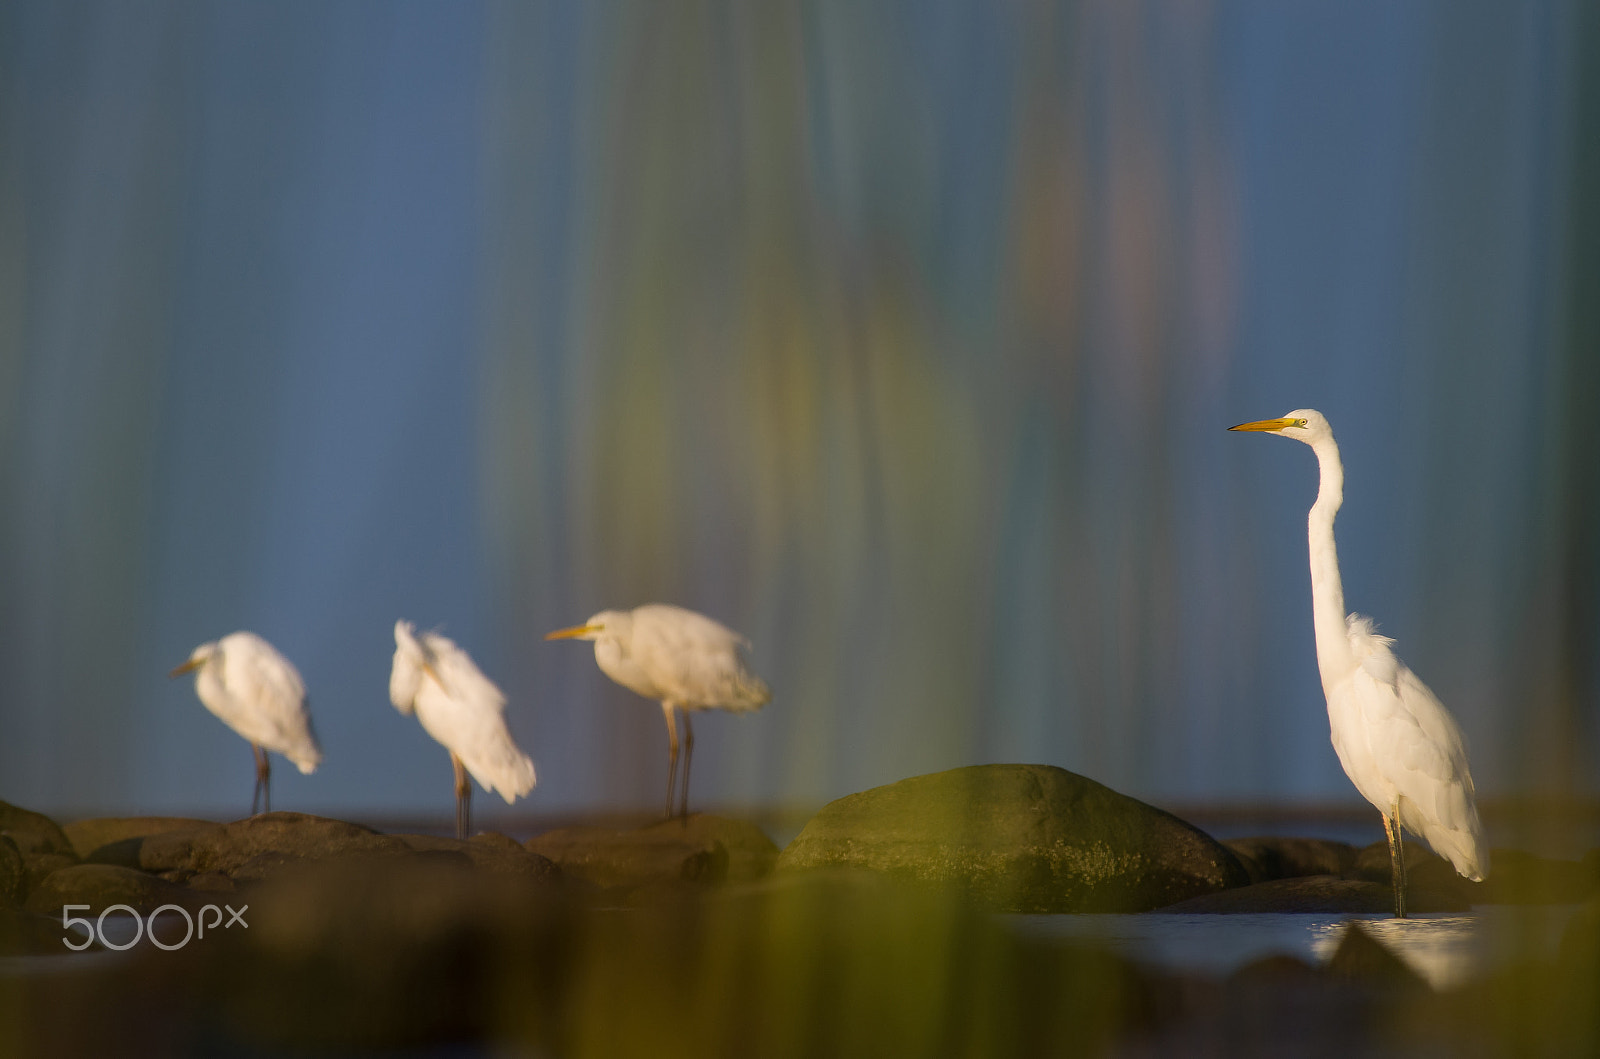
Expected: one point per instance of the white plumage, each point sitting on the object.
(463, 710)
(1396, 741)
(258, 693)
(683, 660)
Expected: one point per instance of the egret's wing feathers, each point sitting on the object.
(269, 699)
(693, 660)
(463, 710)
(1419, 750)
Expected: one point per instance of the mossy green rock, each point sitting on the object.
(1019, 838)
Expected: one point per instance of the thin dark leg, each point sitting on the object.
(463, 797)
(688, 756)
(263, 791)
(1397, 861)
(671, 715)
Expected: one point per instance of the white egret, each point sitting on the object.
(464, 711)
(685, 661)
(259, 694)
(1396, 741)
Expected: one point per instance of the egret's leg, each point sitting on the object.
(671, 715)
(688, 756)
(463, 797)
(263, 791)
(1397, 860)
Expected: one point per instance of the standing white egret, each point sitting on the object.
(1396, 741)
(684, 660)
(259, 694)
(463, 710)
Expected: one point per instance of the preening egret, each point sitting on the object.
(464, 711)
(259, 694)
(681, 659)
(1396, 741)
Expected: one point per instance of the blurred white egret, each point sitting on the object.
(1396, 741)
(259, 694)
(463, 710)
(684, 660)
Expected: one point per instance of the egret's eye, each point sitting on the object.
(1299, 422)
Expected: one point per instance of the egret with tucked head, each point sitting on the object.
(681, 659)
(1396, 741)
(462, 709)
(259, 694)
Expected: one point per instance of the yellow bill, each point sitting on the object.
(189, 666)
(1267, 424)
(568, 634)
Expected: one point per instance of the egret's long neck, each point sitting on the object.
(1327, 591)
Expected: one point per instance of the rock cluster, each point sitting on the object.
(870, 934)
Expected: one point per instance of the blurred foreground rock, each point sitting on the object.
(379, 952)
(698, 849)
(24, 933)
(1019, 838)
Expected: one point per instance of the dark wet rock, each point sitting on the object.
(261, 866)
(38, 865)
(24, 933)
(210, 882)
(1373, 863)
(751, 854)
(1322, 894)
(1280, 857)
(1277, 969)
(227, 848)
(13, 874)
(1364, 959)
(1019, 838)
(662, 853)
(32, 832)
(488, 851)
(88, 836)
(102, 885)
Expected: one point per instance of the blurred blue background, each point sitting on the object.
(901, 337)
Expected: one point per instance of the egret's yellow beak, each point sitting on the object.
(568, 634)
(1266, 424)
(189, 666)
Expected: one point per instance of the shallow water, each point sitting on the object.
(1447, 949)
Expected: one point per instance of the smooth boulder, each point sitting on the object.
(274, 838)
(90, 835)
(1019, 838)
(617, 859)
(32, 832)
(102, 885)
(1271, 857)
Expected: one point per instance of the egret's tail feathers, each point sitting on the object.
(505, 770)
(1467, 851)
(306, 756)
